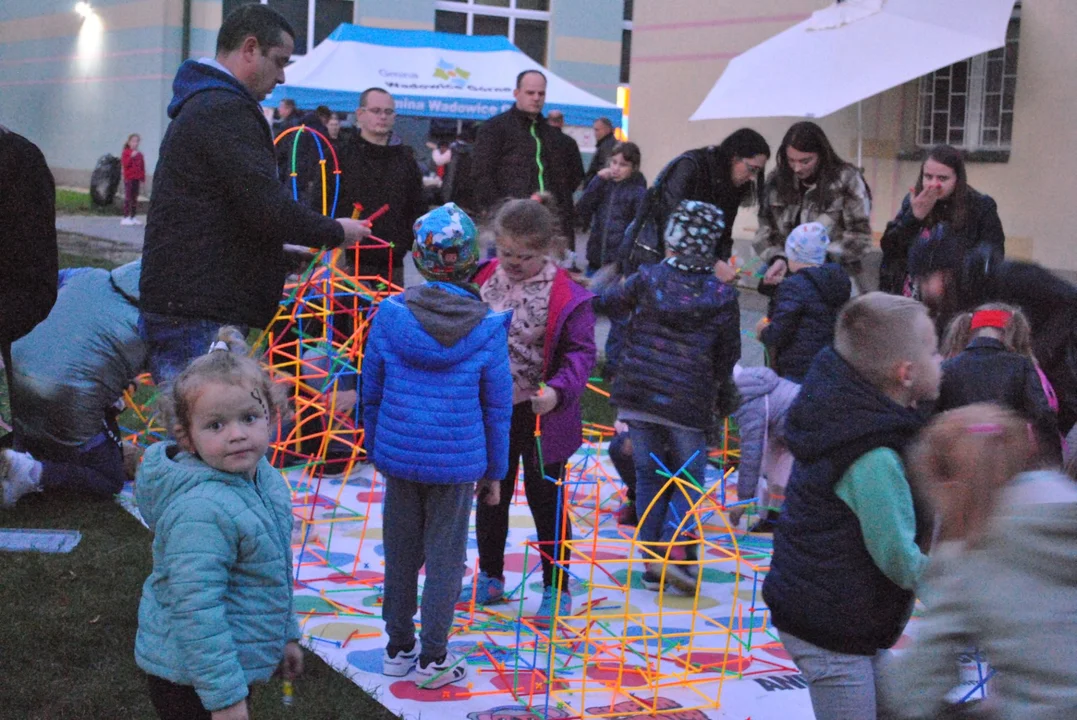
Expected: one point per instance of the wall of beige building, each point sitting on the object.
(681, 47)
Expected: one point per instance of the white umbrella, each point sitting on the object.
(850, 51)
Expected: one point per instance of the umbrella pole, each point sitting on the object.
(860, 134)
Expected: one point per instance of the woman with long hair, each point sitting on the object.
(1003, 576)
(811, 183)
(941, 195)
(726, 176)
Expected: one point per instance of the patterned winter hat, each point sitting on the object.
(692, 233)
(807, 243)
(446, 244)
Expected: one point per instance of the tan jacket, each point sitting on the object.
(846, 218)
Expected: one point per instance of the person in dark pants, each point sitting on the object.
(28, 218)
(515, 155)
(377, 173)
(68, 375)
(565, 183)
(604, 142)
(219, 217)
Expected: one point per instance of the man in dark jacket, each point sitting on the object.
(570, 162)
(951, 281)
(375, 173)
(219, 216)
(604, 142)
(514, 151)
(28, 219)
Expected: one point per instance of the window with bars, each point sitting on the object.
(312, 20)
(526, 23)
(970, 104)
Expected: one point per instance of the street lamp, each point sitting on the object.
(83, 8)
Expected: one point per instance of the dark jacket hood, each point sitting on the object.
(194, 77)
(446, 316)
(831, 281)
(838, 412)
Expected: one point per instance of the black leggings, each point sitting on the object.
(177, 702)
(492, 521)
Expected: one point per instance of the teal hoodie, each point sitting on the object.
(217, 609)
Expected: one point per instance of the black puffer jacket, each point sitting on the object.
(982, 226)
(219, 217)
(27, 236)
(987, 372)
(806, 306)
(683, 340)
(515, 156)
(1049, 302)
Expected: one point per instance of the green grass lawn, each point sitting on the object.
(76, 202)
(68, 631)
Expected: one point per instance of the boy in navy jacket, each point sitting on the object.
(848, 545)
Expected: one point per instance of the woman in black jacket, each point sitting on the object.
(941, 195)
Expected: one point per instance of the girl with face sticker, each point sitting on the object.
(216, 613)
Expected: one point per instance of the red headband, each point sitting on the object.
(991, 319)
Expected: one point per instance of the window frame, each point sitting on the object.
(470, 9)
(311, 26)
(976, 94)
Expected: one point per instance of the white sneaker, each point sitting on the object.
(438, 674)
(19, 474)
(135, 221)
(126, 221)
(400, 664)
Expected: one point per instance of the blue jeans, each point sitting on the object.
(842, 687)
(673, 446)
(172, 342)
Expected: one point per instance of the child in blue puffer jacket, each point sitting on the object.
(216, 613)
(437, 403)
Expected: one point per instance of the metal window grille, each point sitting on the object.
(970, 104)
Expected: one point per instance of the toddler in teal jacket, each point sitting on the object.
(216, 613)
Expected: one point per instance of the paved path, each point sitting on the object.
(101, 236)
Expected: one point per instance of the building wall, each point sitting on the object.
(681, 47)
(396, 14)
(79, 87)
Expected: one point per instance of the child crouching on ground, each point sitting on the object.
(437, 401)
(682, 342)
(216, 613)
(1004, 578)
(847, 548)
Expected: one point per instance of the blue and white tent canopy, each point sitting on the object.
(430, 74)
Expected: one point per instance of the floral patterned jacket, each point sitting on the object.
(846, 217)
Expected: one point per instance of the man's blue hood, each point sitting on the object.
(194, 77)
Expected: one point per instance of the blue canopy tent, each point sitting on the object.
(430, 74)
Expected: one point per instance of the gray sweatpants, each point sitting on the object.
(424, 523)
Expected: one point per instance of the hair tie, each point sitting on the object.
(218, 345)
(985, 429)
(991, 319)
